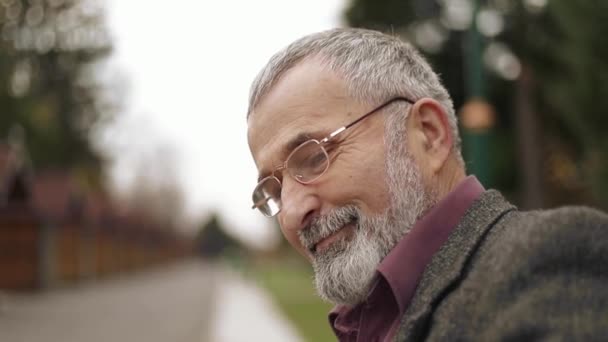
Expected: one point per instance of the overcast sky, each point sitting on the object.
(188, 65)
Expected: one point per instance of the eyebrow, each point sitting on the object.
(296, 141)
(291, 145)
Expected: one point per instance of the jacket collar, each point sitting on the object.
(446, 266)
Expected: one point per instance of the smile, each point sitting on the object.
(343, 233)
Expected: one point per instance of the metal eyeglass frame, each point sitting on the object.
(321, 143)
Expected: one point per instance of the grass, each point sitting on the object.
(290, 284)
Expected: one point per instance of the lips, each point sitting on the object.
(323, 230)
(325, 242)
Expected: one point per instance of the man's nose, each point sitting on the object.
(300, 204)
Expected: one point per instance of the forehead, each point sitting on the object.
(309, 99)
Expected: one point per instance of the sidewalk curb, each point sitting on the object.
(245, 312)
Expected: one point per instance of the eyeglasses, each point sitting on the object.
(306, 163)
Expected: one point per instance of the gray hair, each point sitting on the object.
(375, 66)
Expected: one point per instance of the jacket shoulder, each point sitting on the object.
(537, 274)
(546, 236)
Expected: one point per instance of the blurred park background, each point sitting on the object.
(125, 176)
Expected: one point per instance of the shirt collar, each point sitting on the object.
(404, 265)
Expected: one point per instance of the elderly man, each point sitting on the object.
(358, 153)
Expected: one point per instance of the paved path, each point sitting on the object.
(186, 302)
(169, 304)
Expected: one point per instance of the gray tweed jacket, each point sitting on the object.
(506, 275)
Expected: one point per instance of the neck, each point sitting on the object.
(448, 178)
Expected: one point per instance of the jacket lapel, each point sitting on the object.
(447, 264)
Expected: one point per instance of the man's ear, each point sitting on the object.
(433, 135)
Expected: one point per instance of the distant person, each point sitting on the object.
(358, 152)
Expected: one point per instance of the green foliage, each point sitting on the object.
(290, 284)
(49, 55)
(383, 15)
(575, 91)
(214, 242)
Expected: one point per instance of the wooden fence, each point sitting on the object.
(36, 253)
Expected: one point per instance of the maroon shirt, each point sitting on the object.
(377, 318)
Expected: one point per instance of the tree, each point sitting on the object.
(50, 51)
(155, 191)
(213, 241)
(572, 66)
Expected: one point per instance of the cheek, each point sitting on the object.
(368, 174)
(377, 193)
(363, 185)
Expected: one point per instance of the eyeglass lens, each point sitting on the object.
(305, 164)
(267, 196)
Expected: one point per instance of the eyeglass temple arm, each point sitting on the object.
(343, 128)
(334, 133)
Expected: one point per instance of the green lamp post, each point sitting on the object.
(476, 116)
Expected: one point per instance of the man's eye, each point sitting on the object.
(317, 159)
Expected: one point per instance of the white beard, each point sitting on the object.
(345, 270)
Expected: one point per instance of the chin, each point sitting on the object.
(345, 270)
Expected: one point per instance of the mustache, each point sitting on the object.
(323, 226)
